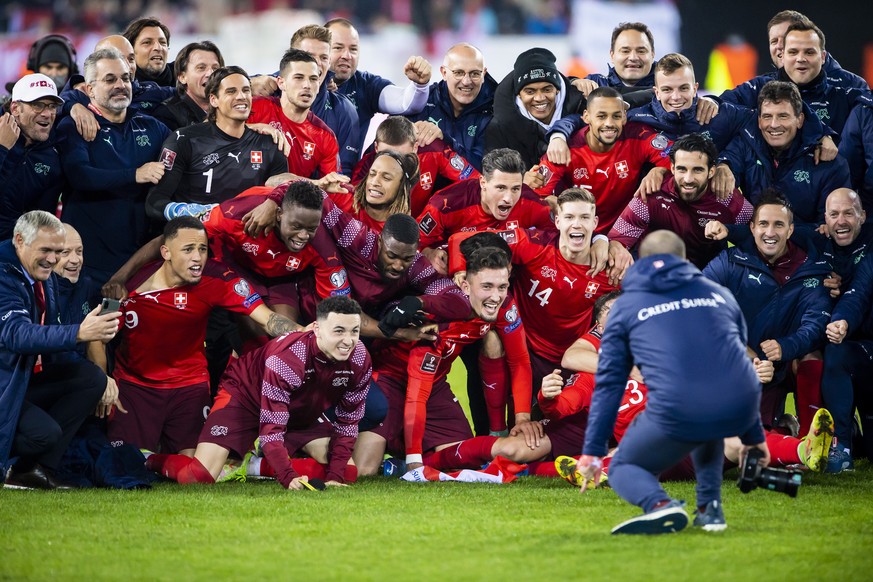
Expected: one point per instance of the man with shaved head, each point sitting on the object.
(664, 297)
(460, 106)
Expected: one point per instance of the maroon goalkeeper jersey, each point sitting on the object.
(291, 382)
(359, 249)
(666, 210)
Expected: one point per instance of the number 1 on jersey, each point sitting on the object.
(543, 295)
(208, 174)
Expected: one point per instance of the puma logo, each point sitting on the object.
(178, 134)
(290, 137)
(492, 386)
(108, 139)
(234, 156)
(756, 278)
(152, 297)
(273, 254)
(570, 281)
(604, 172)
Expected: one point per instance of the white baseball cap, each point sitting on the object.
(35, 86)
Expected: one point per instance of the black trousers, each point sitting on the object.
(57, 401)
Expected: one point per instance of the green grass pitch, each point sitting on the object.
(380, 529)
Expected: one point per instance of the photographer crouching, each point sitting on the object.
(688, 337)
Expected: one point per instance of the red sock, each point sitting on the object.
(496, 389)
(469, 454)
(783, 449)
(194, 472)
(167, 465)
(542, 469)
(809, 373)
(309, 467)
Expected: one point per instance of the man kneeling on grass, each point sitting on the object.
(278, 393)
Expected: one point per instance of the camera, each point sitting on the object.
(753, 475)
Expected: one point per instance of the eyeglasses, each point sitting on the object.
(40, 106)
(474, 75)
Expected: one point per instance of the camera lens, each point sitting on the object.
(780, 480)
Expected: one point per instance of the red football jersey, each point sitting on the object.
(163, 332)
(666, 210)
(345, 202)
(426, 363)
(613, 176)
(556, 297)
(459, 207)
(579, 388)
(268, 256)
(438, 165)
(314, 148)
(291, 382)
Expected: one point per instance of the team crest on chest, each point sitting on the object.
(511, 224)
(425, 181)
(308, 150)
(622, 169)
(591, 288)
(292, 263)
(580, 174)
(257, 158)
(180, 299)
(549, 273)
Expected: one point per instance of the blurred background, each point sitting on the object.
(726, 41)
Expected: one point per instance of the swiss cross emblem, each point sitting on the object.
(591, 288)
(511, 224)
(293, 263)
(308, 150)
(257, 157)
(622, 168)
(180, 299)
(484, 329)
(426, 181)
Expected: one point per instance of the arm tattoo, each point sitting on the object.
(279, 324)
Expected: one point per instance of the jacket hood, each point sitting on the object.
(659, 273)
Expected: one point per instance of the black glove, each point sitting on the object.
(407, 312)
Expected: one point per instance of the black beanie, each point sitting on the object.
(54, 52)
(536, 65)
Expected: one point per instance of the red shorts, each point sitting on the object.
(165, 420)
(446, 422)
(235, 426)
(566, 434)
